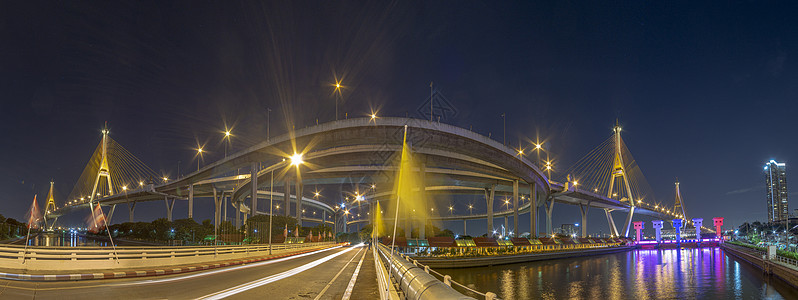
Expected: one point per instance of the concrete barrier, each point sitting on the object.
(414, 282)
(69, 259)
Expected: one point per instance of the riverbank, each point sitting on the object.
(484, 261)
(784, 271)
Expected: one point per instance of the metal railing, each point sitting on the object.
(104, 253)
(418, 282)
(763, 253)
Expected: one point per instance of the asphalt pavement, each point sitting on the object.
(323, 274)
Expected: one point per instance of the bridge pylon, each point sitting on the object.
(104, 171)
(50, 207)
(619, 171)
(679, 205)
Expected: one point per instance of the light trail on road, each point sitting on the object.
(264, 281)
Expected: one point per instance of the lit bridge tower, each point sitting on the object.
(103, 172)
(50, 207)
(679, 205)
(620, 171)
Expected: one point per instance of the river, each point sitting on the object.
(67, 239)
(705, 273)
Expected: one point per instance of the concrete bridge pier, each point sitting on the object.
(217, 201)
(254, 183)
(549, 210)
(584, 210)
(506, 225)
(130, 207)
(464, 227)
(533, 210)
(287, 197)
(190, 202)
(169, 207)
(489, 193)
(611, 222)
(110, 215)
(515, 208)
(237, 205)
(224, 204)
(299, 190)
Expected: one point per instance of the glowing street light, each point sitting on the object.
(296, 159)
(227, 135)
(199, 153)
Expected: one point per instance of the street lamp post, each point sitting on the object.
(227, 137)
(199, 157)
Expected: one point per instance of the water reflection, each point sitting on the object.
(65, 239)
(704, 273)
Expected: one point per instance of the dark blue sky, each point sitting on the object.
(705, 92)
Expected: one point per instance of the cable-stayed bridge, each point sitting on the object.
(359, 154)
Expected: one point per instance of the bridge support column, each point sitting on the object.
(169, 207)
(287, 197)
(628, 222)
(190, 202)
(110, 214)
(130, 207)
(346, 225)
(584, 210)
(224, 204)
(217, 211)
(489, 193)
(611, 222)
(549, 210)
(533, 210)
(515, 208)
(237, 205)
(465, 232)
(299, 189)
(506, 226)
(657, 224)
(253, 178)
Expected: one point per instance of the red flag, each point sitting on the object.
(96, 221)
(33, 214)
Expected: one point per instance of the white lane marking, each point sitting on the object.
(336, 277)
(151, 281)
(266, 280)
(351, 285)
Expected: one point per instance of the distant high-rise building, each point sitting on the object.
(776, 187)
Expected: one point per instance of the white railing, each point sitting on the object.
(763, 254)
(104, 258)
(446, 279)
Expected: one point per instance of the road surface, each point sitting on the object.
(324, 274)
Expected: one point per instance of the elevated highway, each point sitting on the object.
(358, 156)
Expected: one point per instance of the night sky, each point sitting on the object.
(704, 92)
